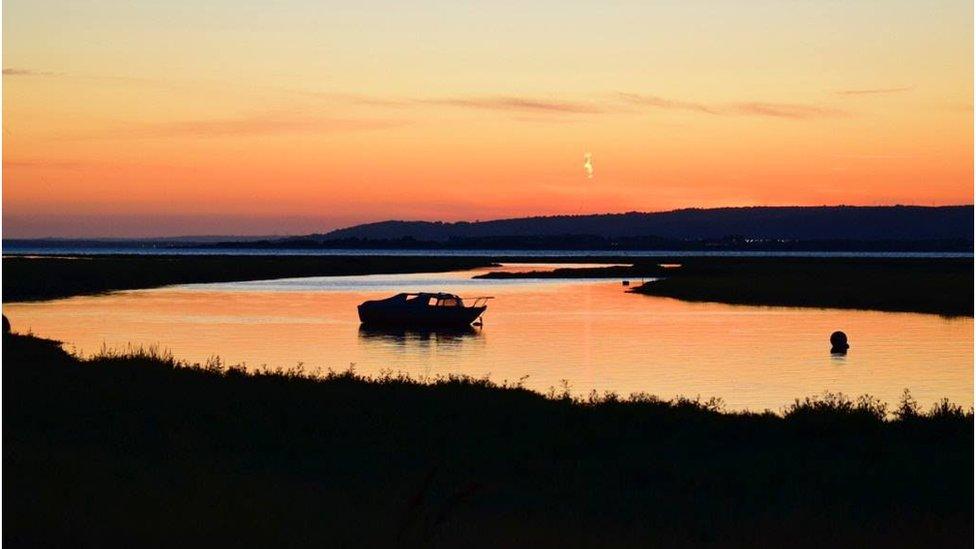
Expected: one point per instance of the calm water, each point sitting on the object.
(590, 333)
(17, 248)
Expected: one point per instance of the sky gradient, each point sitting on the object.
(180, 117)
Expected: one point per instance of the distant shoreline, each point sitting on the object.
(569, 254)
(941, 286)
(36, 279)
(935, 286)
(759, 229)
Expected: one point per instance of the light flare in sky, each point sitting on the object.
(588, 165)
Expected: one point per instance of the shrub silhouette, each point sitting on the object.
(135, 445)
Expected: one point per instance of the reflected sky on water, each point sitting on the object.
(590, 333)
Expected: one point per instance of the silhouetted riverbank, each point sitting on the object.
(38, 278)
(939, 286)
(121, 449)
(942, 287)
(935, 285)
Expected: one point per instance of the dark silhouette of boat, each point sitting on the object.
(422, 309)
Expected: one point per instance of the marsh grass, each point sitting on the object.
(133, 444)
(939, 286)
(826, 406)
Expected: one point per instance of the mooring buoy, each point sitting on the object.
(838, 343)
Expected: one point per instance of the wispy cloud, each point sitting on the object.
(874, 91)
(512, 103)
(663, 103)
(785, 110)
(268, 124)
(12, 71)
(265, 125)
(373, 101)
(620, 102)
(749, 108)
(508, 103)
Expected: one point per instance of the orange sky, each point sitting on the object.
(261, 118)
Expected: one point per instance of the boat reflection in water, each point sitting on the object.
(422, 352)
(422, 337)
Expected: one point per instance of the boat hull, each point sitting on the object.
(412, 317)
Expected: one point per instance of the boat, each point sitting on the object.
(422, 309)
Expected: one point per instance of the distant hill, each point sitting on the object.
(795, 223)
(793, 228)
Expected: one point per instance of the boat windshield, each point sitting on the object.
(441, 300)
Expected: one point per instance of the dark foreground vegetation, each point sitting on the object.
(36, 278)
(940, 286)
(138, 449)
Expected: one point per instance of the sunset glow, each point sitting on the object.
(151, 119)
